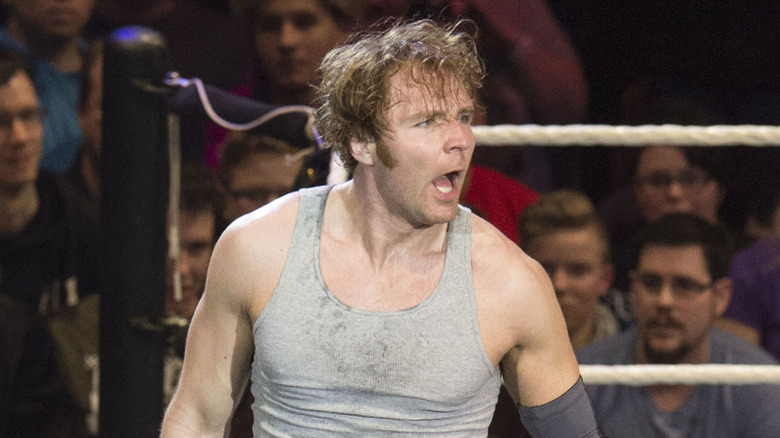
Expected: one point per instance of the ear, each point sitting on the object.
(363, 151)
(721, 291)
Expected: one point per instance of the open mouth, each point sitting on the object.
(446, 183)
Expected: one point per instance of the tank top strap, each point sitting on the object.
(458, 261)
(309, 220)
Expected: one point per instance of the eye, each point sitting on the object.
(659, 180)
(466, 118)
(578, 270)
(651, 282)
(304, 21)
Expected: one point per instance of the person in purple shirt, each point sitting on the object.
(754, 311)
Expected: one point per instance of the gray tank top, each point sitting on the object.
(324, 369)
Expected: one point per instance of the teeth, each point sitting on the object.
(445, 189)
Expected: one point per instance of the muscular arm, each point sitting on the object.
(540, 367)
(242, 275)
(522, 321)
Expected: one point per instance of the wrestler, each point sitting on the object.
(380, 306)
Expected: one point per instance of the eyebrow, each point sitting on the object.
(436, 114)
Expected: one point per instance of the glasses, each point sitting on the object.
(682, 287)
(688, 180)
(31, 118)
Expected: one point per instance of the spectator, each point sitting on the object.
(203, 42)
(197, 233)
(754, 311)
(666, 179)
(256, 170)
(680, 287)
(289, 39)
(49, 34)
(564, 234)
(37, 234)
(39, 265)
(189, 261)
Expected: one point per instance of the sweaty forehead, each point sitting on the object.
(426, 92)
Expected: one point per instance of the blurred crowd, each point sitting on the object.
(668, 250)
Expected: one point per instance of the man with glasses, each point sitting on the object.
(37, 265)
(666, 179)
(680, 287)
(670, 179)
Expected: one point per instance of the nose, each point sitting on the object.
(184, 263)
(559, 280)
(20, 131)
(289, 34)
(459, 136)
(676, 189)
(665, 296)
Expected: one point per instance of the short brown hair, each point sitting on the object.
(354, 90)
(561, 210)
(240, 145)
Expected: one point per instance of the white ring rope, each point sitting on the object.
(712, 374)
(606, 135)
(598, 135)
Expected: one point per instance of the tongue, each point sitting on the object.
(443, 184)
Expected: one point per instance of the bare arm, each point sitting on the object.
(219, 347)
(541, 366)
(243, 272)
(520, 320)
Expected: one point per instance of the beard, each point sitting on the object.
(667, 357)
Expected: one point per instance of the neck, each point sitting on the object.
(384, 236)
(18, 207)
(64, 53)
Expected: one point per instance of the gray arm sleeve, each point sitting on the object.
(569, 415)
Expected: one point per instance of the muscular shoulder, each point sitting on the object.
(249, 256)
(510, 285)
(497, 260)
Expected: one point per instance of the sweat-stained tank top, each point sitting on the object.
(324, 369)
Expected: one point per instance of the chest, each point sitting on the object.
(402, 282)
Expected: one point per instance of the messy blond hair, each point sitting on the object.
(354, 90)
